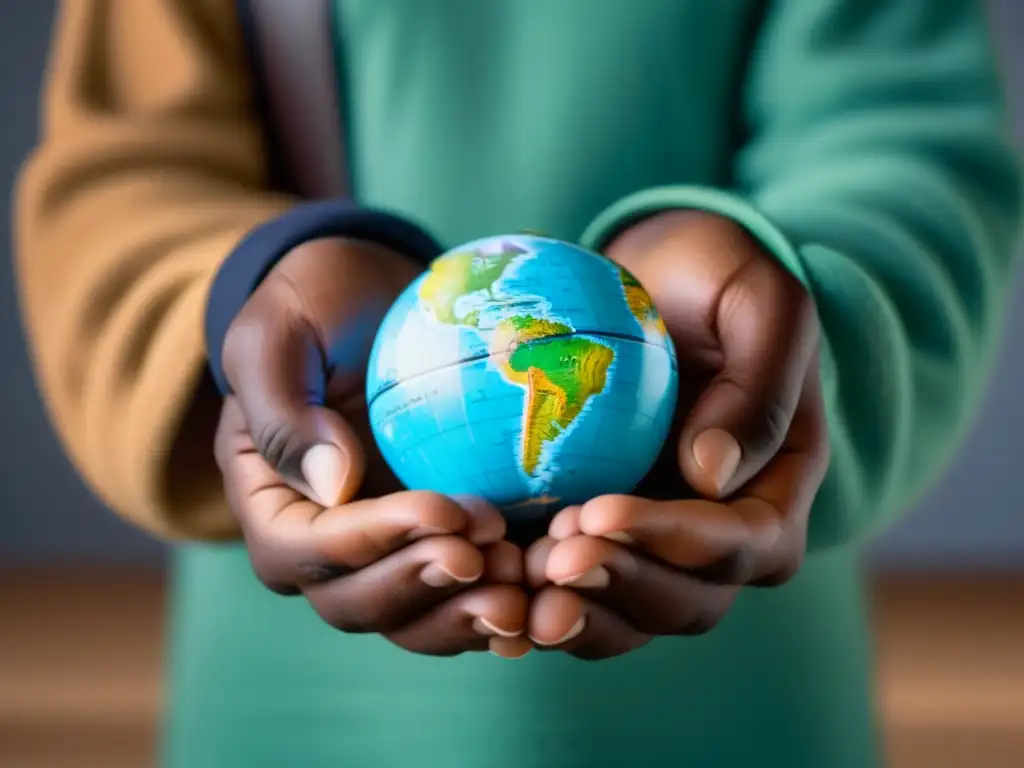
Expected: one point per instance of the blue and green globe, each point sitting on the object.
(524, 370)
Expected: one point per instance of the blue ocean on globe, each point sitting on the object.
(524, 370)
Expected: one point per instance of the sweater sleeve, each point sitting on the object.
(150, 169)
(144, 220)
(876, 169)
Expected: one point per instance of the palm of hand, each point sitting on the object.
(727, 503)
(320, 512)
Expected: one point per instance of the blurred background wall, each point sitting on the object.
(973, 519)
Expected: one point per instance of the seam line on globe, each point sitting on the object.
(486, 355)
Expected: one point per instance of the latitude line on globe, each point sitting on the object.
(485, 355)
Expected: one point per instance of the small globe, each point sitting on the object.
(524, 370)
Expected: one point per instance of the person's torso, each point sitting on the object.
(485, 117)
(260, 680)
(479, 118)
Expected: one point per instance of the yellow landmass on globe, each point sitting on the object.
(560, 373)
(461, 274)
(510, 333)
(640, 304)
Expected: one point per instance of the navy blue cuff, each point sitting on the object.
(258, 252)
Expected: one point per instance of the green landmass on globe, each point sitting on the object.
(560, 376)
(640, 304)
(559, 372)
(460, 274)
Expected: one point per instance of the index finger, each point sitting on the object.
(293, 540)
(767, 334)
(303, 543)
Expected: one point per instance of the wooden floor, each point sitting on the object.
(80, 671)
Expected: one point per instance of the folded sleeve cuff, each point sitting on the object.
(641, 205)
(257, 253)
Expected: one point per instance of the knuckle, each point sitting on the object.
(709, 612)
(738, 296)
(788, 569)
(736, 567)
(764, 418)
(429, 508)
(339, 610)
(318, 573)
(269, 573)
(789, 564)
(276, 440)
(345, 619)
(278, 587)
(702, 622)
(441, 549)
(276, 562)
(775, 423)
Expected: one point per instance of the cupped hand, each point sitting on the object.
(320, 513)
(728, 505)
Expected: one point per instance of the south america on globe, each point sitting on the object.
(525, 370)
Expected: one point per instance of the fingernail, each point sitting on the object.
(574, 630)
(718, 454)
(595, 578)
(324, 468)
(484, 627)
(506, 648)
(436, 575)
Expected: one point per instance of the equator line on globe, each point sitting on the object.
(523, 369)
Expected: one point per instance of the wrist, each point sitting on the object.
(263, 249)
(634, 243)
(337, 259)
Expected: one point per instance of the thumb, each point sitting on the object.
(277, 373)
(730, 436)
(316, 452)
(767, 332)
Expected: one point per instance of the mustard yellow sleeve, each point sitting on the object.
(149, 170)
